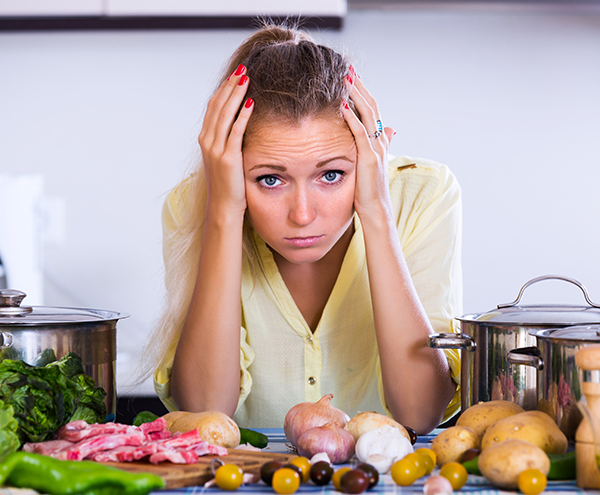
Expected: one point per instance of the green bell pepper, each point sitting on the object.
(55, 477)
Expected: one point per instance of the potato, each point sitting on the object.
(367, 421)
(450, 444)
(214, 427)
(502, 463)
(535, 427)
(479, 417)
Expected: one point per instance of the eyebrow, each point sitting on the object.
(322, 163)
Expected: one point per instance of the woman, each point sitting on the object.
(344, 263)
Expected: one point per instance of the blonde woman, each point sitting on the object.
(300, 260)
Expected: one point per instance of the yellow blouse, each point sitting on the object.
(283, 363)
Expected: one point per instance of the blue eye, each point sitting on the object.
(268, 181)
(332, 176)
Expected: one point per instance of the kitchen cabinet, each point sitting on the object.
(148, 14)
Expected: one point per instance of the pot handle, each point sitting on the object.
(550, 277)
(6, 340)
(451, 341)
(528, 356)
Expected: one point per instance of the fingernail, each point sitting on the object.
(346, 106)
(351, 69)
(394, 133)
(243, 80)
(349, 78)
(239, 70)
(249, 102)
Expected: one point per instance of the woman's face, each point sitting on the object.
(300, 183)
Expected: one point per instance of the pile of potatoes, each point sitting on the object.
(510, 440)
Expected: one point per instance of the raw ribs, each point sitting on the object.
(115, 442)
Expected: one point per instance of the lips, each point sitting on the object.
(302, 242)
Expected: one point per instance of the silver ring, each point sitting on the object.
(376, 134)
(379, 125)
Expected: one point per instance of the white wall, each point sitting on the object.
(509, 99)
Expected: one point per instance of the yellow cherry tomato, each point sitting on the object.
(429, 452)
(420, 461)
(404, 472)
(336, 479)
(455, 473)
(304, 464)
(427, 462)
(532, 482)
(229, 477)
(285, 481)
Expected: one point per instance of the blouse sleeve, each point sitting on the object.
(427, 199)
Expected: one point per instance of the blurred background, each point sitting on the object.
(101, 102)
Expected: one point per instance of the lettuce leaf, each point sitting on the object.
(9, 439)
(46, 398)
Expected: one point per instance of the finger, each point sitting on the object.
(230, 110)
(364, 91)
(219, 100)
(390, 133)
(368, 114)
(361, 135)
(238, 129)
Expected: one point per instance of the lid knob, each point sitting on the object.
(10, 303)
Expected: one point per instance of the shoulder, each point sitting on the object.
(420, 177)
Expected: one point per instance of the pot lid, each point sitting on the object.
(540, 314)
(12, 313)
(577, 333)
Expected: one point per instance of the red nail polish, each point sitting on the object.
(346, 106)
(239, 70)
(243, 80)
(249, 102)
(349, 78)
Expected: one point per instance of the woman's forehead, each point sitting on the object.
(310, 133)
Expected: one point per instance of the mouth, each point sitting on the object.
(302, 242)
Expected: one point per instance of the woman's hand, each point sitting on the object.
(221, 140)
(372, 142)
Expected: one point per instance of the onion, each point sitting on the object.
(307, 415)
(330, 438)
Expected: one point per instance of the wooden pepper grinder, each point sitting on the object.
(588, 435)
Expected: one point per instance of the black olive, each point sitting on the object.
(354, 481)
(321, 473)
(372, 473)
(412, 434)
(268, 469)
(469, 455)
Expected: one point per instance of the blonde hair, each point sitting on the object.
(291, 79)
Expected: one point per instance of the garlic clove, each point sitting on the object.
(382, 463)
(321, 456)
(437, 485)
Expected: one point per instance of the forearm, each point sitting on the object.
(416, 379)
(206, 369)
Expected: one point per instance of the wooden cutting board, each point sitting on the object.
(180, 475)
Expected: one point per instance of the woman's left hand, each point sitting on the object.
(372, 143)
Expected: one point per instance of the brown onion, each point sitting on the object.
(307, 415)
(330, 438)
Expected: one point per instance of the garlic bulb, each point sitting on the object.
(387, 442)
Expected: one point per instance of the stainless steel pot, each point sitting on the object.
(558, 385)
(31, 333)
(487, 338)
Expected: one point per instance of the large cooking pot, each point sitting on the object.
(558, 385)
(31, 333)
(487, 338)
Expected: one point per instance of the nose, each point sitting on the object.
(302, 207)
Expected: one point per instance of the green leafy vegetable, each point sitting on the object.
(46, 398)
(9, 440)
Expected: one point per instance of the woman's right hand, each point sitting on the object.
(221, 140)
